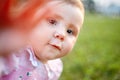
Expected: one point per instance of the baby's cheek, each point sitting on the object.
(68, 47)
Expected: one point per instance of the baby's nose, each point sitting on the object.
(59, 35)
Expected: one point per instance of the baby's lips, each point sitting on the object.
(56, 43)
(56, 46)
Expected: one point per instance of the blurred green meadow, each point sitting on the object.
(96, 55)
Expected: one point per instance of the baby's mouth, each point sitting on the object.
(56, 46)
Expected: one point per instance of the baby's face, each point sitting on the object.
(56, 34)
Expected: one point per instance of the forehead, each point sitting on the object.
(67, 12)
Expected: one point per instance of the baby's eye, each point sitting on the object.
(69, 31)
(52, 21)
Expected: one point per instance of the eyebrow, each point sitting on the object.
(57, 16)
(75, 27)
(70, 25)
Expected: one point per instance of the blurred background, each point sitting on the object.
(96, 56)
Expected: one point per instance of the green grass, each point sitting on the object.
(96, 56)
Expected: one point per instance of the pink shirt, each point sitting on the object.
(25, 66)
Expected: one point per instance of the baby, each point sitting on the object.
(54, 30)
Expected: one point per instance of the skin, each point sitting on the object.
(11, 40)
(56, 34)
(14, 28)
